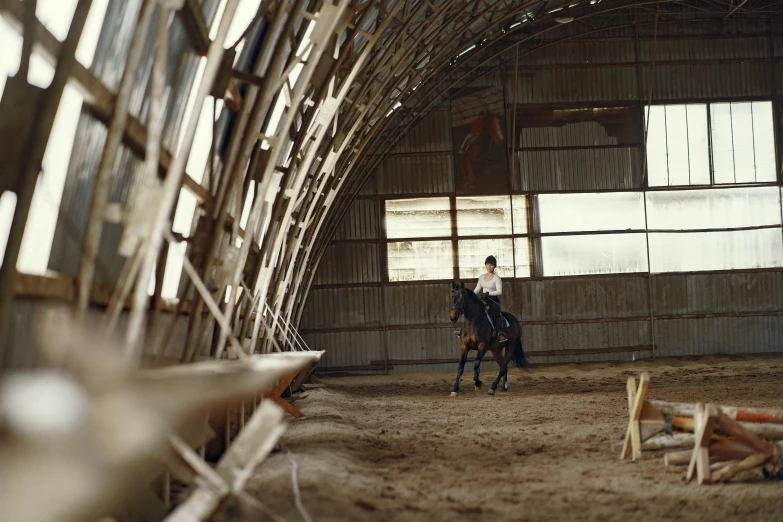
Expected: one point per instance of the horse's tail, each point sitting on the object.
(519, 354)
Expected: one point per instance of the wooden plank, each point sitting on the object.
(633, 441)
(192, 18)
(250, 448)
(754, 461)
(704, 418)
(740, 414)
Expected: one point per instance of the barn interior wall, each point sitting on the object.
(24, 329)
(366, 323)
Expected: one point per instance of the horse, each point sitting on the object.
(476, 334)
(478, 150)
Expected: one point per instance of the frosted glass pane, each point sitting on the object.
(588, 212)
(695, 251)
(484, 216)
(415, 260)
(657, 166)
(519, 214)
(742, 131)
(473, 252)
(764, 140)
(677, 145)
(422, 217)
(522, 257)
(722, 148)
(713, 208)
(698, 145)
(599, 254)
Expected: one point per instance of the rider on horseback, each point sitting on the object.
(492, 286)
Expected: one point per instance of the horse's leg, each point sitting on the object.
(497, 354)
(463, 359)
(482, 350)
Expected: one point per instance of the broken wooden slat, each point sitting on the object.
(632, 444)
(250, 448)
(704, 417)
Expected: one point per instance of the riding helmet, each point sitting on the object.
(491, 261)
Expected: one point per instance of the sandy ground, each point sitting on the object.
(399, 448)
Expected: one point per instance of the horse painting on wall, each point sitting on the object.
(479, 141)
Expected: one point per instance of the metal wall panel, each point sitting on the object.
(361, 221)
(717, 293)
(719, 335)
(580, 169)
(581, 52)
(348, 263)
(417, 304)
(663, 50)
(25, 324)
(423, 344)
(581, 298)
(576, 85)
(347, 348)
(726, 80)
(416, 175)
(584, 336)
(370, 188)
(569, 135)
(329, 308)
(432, 134)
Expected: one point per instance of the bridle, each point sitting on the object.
(458, 302)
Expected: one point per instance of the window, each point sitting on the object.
(473, 252)
(412, 218)
(739, 135)
(719, 250)
(713, 208)
(694, 230)
(417, 260)
(587, 212)
(743, 142)
(519, 214)
(592, 253)
(677, 145)
(486, 215)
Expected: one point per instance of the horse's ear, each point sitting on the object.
(454, 285)
(461, 285)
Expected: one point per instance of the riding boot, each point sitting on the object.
(501, 335)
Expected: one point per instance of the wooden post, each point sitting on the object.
(103, 178)
(632, 445)
(35, 148)
(173, 181)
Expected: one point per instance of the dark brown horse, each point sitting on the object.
(476, 334)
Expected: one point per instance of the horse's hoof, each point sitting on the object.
(453, 394)
(477, 388)
(491, 392)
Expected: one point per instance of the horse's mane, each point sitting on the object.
(472, 298)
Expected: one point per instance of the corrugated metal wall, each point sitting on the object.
(369, 325)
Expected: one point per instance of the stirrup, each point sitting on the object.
(502, 336)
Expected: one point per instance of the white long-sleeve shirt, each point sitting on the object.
(493, 287)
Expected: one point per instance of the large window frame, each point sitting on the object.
(702, 141)
(529, 241)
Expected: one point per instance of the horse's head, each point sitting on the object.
(457, 300)
(492, 127)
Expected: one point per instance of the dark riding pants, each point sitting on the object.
(493, 302)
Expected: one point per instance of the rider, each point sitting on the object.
(491, 284)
